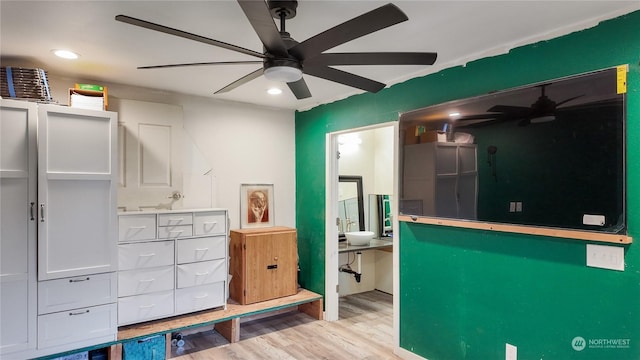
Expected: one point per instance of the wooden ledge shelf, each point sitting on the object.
(227, 320)
(522, 229)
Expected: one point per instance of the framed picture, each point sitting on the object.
(256, 206)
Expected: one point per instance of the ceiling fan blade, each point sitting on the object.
(243, 80)
(344, 78)
(200, 64)
(186, 35)
(260, 18)
(569, 99)
(364, 24)
(509, 109)
(299, 89)
(374, 58)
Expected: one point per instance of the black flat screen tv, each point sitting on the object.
(550, 154)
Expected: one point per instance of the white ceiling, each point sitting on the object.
(459, 31)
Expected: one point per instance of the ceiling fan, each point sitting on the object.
(284, 59)
(542, 110)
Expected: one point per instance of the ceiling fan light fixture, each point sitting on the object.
(542, 119)
(283, 73)
(274, 91)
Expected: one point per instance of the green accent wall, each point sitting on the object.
(464, 293)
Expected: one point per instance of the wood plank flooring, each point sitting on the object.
(364, 331)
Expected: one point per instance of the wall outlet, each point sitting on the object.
(511, 352)
(606, 257)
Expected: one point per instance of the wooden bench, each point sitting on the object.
(227, 321)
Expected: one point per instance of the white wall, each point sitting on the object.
(241, 143)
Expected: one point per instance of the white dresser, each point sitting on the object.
(171, 263)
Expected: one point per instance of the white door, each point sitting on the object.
(77, 231)
(150, 156)
(17, 226)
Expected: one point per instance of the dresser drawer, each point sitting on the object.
(143, 281)
(145, 255)
(200, 297)
(175, 219)
(137, 227)
(78, 326)
(139, 308)
(210, 223)
(200, 273)
(76, 292)
(174, 232)
(201, 249)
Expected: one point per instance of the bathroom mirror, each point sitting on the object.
(380, 220)
(350, 205)
(550, 154)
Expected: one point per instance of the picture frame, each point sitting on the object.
(256, 206)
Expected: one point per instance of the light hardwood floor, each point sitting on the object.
(364, 331)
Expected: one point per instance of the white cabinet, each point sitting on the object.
(76, 192)
(440, 179)
(170, 263)
(17, 227)
(58, 235)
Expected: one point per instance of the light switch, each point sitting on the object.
(606, 257)
(512, 206)
(519, 206)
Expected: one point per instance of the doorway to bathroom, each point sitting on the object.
(368, 155)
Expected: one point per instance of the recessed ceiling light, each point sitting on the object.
(454, 115)
(274, 91)
(65, 54)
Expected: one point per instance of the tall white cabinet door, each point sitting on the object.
(76, 192)
(17, 226)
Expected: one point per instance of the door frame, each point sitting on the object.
(331, 229)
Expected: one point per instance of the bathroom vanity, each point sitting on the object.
(375, 244)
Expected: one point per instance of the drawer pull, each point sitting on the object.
(137, 227)
(147, 280)
(176, 219)
(147, 255)
(78, 280)
(146, 306)
(210, 222)
(202, 274)
(79, 313)
(201, 296)
(202, 249)
(176, 231)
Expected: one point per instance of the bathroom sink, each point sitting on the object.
(357, 238)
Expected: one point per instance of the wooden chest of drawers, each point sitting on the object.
(263, 263)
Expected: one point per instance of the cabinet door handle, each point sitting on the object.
(78, 280)
(147, 280)
(79, 313)
(147, 255)
(146, 306)
(210, 222)
(41, 212)
(31, 211)
(201, 296)
(202, 249)
(137, 227)
(202, 274)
